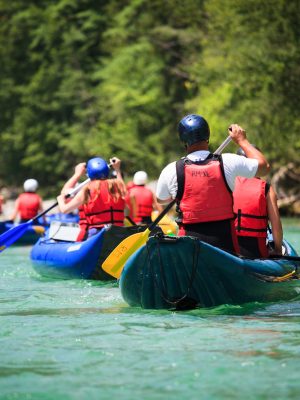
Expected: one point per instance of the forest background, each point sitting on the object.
(85, 78)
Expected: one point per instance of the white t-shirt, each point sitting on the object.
(234, 166)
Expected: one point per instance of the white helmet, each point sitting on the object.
(30, 185)
(140, 178)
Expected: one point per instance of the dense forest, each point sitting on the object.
(81, 78)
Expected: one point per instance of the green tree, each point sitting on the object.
(81, 78)
(150, 47)
(49, 51)
(249, 72)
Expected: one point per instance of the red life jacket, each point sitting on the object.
(29, 204)
(102, 208)
(250, 207)
(144, 202)
(203, 191)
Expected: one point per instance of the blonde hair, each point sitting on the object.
(116, 188)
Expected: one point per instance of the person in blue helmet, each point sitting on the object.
(101, 202)
(202, 183)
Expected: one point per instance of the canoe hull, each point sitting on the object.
(185, 272)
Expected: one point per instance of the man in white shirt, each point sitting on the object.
(203, 183)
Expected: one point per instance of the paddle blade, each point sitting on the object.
(114, 263)
(12, 235)
(38, 229)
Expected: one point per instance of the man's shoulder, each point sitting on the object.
(232, 157)
(234, 160)
(169, 167)
(168, 173)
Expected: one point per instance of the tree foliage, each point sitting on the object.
(81, 78)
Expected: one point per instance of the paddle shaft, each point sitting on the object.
(223, 145)
(161, 215)
(292, 258)
(130, 220)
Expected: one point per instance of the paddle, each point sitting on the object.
(114, 263)
(129, 219)
(223, 145)
(13, 234)
(279, 257)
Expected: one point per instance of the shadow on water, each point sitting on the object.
(255, 309)
(75, 281)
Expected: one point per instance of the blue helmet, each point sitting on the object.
(97, 168)
(192, 129)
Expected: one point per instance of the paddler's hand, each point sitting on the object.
(115, 163)
(80, 169)
(61, 199)
(237, 133)
(275, 252)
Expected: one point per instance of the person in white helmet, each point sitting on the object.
(142, 201)
(29, 203)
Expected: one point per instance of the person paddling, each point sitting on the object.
(29, 203)
(101, 202)
(255, 203)
(142, 200)
(202, 183)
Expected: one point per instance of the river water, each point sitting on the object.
(77, 339)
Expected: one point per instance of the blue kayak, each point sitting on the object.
(31, 236)
(65, 258)
(184, 273)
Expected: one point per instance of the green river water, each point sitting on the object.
(78, 339)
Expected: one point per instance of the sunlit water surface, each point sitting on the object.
(77, 339)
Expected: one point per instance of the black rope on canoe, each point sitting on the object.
(184, 302)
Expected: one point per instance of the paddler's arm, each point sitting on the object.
(156, 205)
(66, 206)
(41, 209)
(79, 171)
(166, 188)
(15, 212)
(238, 135)
(133, 206)
(116, 165)
(274, 218)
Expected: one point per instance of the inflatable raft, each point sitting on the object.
(57, 255)
(184, 273)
